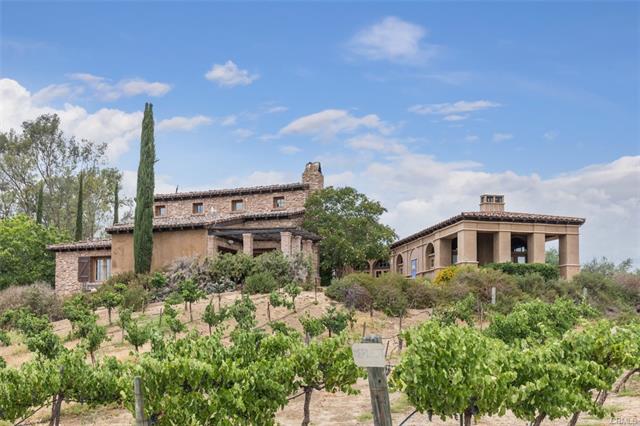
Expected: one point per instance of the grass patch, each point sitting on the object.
(365, 417)
(401, 404)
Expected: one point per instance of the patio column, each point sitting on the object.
(296, 245)
(285, 243)
(467, 247)
(247, 243)
(569, 246)
(502, 246)
(535, 248)
(442, 249)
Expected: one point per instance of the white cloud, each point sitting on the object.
(114, 127)
(229, 75)
(471, 138)
(394, 40)
(420, 191)
(229, 120)
(242, 133)
(501, 137)
(183, 123)
(455, 117)
(289, 149)
(276, 109)
(551, 135)
(374, 142)
(453, 110)
(55, 91)
(107, 91)
(330, 122)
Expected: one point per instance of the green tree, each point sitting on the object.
(136, 334)
(348, 223)
(213, 318)
(39, 202)
(24, 257)
(190, 293)
(143, 219)
(110, 299)
(79, 214)
(552, 257)
(94, 337)
(335, 321)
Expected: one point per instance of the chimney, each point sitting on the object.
(312, 176)
(491, 203)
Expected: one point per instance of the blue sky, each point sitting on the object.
(420, 105)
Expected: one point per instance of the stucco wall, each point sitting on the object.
(66, 281)
(167, 247)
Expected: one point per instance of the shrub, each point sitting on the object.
(260, 283)
(420, 294)
(337, 290)
(547, 271)
(480, 281)
(39, 298)
(135, 297)
(157, 280)
(335, 321)
(277, 265)
(231, 267)
(445, 275)
(390, 299)
(358, 297)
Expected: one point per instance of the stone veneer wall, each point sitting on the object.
(254, 203)
(66, 281)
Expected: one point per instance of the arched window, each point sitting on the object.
(399, 264)
(431, 256)
(381, 264)
(518, 250)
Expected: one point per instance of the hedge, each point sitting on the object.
(548, 272)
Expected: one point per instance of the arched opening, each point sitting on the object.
(399, 265)
(381, 264)
(431, 256)
(519, 250)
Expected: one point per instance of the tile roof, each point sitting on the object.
(203, 221)
(81, 245)
(232, 191)
(498, 216)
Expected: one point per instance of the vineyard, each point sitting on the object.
(284, 357)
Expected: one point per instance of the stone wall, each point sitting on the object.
(66, 281)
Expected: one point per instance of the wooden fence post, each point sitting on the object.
(379, 390)
(493, 295)
(139, 401)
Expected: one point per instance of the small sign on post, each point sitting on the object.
(493, 295)
(370, 354)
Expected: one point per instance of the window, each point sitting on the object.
(101, 268)
(518, 250)
(237, 205)
(414, 268)
(161, 210)
(454, 251)
(198, 208)
(499, 198)
(278, 202)
(399, 264)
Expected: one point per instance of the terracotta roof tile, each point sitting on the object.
(232, 191)
(496, 217)
(81, 245)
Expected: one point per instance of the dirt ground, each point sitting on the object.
(326, 408)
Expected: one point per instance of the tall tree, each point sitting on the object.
(39, 203)
(143, 219)
(79, 214)
(349, 224)
(116, 201)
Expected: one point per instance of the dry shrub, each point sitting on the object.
(358, 297)
(39, 298)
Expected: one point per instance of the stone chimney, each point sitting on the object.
(312, 176)
(491, 203)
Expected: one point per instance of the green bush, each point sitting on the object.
(38, 298)
(260, 283)
(480, 282)
(135, 297)
(231, 267)
(357, 297)
(276, 264)
(420, 294)
(548, 272)
(390, 299)
(338, 290)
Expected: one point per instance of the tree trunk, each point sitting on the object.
(55, 410)
(93, 359)
(539, 418)
(307, 402)
(269, 311)
(468, 416)
(109, 314)
(190, 312)
(574, 419)
(209, 329)
(602, 397)
(624, 379)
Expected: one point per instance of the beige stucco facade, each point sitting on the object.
(490, 235)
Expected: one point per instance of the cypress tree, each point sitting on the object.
(116, 201)
(79, 212)
(143, 219)
(39, 203)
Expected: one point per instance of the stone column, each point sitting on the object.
(467, 247)
(569, 246)
(285, 243)
(502, 247)
(442, 249)
(296, 246)
(535, 248)
(247, 243)
(212, 245)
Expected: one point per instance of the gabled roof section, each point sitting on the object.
(285, 187)
(82, 245)
(497, 216)
(204, 221)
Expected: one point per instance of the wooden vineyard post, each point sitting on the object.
(493, 295)
(139, 401)
(370, 354)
